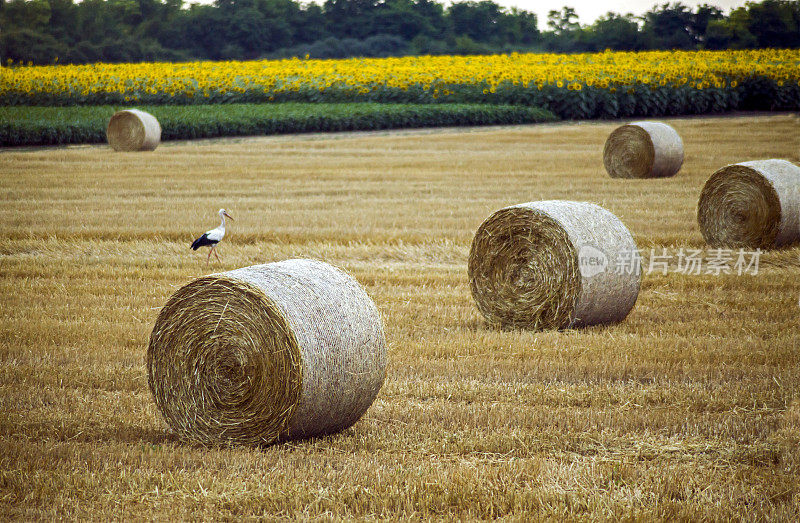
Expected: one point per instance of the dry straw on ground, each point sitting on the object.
(643, 150)
(133, 130)
(751, 204)
(266, 353)
(553, 264)
(684, 411)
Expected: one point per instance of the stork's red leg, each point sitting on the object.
(217, 256)
(209, 256)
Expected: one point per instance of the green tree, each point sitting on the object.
(731, 32)
(401, 18)
(26, 14)
(704, 15)
(565, 31)
(310, 24)
(669, 26)
(350, 18)
(25, 45)
(129, 30)
(615, 31)
(775, 23)
(519, 27)
(478, 20)
(563, 22)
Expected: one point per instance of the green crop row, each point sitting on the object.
(21, 125)
(640, 100)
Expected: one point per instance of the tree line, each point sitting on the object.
(63, 31)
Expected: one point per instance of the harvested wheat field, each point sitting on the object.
(689, 408)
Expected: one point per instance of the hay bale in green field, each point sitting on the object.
(643, 150)
(266, 353)
(133, 130)
(751, 204)
(553, 264)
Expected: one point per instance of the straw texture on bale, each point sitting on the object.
(643, 150)
(751, 204)
(133, 130)
(553, 265)
(266, 353)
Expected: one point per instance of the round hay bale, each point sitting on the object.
(133, 130)
(266, 353)
(643, 150)
(751, 204)
(553, 265)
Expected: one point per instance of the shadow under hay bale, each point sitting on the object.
(553, 265)
(643, 150)
(133, 130)
(751, 204)
(266, 353)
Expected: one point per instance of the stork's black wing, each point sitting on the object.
(202, 241)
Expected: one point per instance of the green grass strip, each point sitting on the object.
(20, 125)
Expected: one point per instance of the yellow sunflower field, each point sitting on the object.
(609, 84)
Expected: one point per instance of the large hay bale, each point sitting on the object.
(751, 204)
(133, 130)
(554, 264)
(643, 150)
(266, 353)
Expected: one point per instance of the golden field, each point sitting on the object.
(688, 409)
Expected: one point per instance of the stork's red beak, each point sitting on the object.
(228, 215)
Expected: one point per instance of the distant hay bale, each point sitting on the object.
(266, 353)
(133, 130)
(751, 204)
(553, 265)
(643, 150)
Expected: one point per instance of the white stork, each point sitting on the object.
(212, 237)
